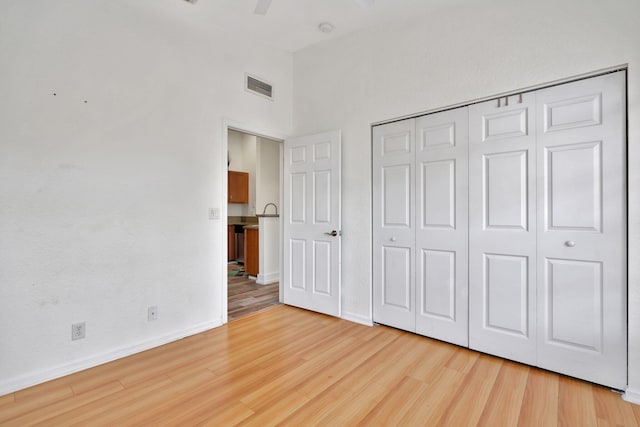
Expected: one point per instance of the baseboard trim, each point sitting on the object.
(357, 318)
(27, 380)
(265, 279)
(632, 395)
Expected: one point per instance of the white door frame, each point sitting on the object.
(227, 125)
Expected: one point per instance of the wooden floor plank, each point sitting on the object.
(468, 406)
(42, 414)
(34, 398)
(575, 403)
(607, 409)
(503, 409)
(432, 403)
(540, 401)
(288, 366)
(7, 399)
(229, 416)
(275, 413)
(245, 296)
(344, 413)
(395, 404)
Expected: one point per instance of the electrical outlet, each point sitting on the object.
(214, 213)
(152, 313)
(77, 331)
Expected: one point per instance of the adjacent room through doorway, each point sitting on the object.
(253, 223)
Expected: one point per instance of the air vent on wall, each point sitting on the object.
(258, 86)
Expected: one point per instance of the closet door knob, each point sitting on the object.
(570, 243)
(393, 239)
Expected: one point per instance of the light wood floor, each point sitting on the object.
(244, 296)
(290, 366)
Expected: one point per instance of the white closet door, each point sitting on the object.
(582, 290)
(502, 228)
(394, 224)
(442, 225)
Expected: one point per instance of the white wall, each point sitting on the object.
(267, 174)
(460, 52)
(103, 204)
(242, 149)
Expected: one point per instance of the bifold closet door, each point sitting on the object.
(393, 153)
(502, 228)
(441, 225)
(582, 316)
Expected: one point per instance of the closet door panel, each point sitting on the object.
(582, 234)
(502, 228)
(393, 153)
(442, 230)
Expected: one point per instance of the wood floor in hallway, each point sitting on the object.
(245, 296)
(288, 366)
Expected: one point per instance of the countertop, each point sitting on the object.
(243, 220)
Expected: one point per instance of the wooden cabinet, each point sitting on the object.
(251, 243)
(231, 243)
(238, 187)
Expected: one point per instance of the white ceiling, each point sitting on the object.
(293, 24)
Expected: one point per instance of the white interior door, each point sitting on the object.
(502, 228)
(394, 224)
(312, 222)
(581, 245)
(442, 225)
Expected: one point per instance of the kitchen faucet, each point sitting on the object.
(264, 211)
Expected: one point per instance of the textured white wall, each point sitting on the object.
(267, 174)
(104, 204)
(457, 53)
(242, 154)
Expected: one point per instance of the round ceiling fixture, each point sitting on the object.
(326, 27)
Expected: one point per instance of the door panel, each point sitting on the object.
(574, 291)
(438, 285)
(322, 268)
(312, 204)
(396, 280)
(297, 266)
(571, 167)
(394, 224)
(441, 233)
(502, 228)
(581, 243)
(396, 196)
(503, 122)
(572, 112)
(505, 195)
(438, 198)
(322, 197)
(506, 293)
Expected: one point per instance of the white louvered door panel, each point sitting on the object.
(582, 289)
(394, 224)
(442, 225)
(502, 228)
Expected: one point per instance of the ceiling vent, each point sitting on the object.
(258, 86)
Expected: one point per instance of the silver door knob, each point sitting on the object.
(393, 239)
(333, 233)
(570, 243)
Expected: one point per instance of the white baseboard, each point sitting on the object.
(357, 318)
(632, 395)
(265, 279)
(27, 380)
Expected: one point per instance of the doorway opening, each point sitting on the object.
(254, 164)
